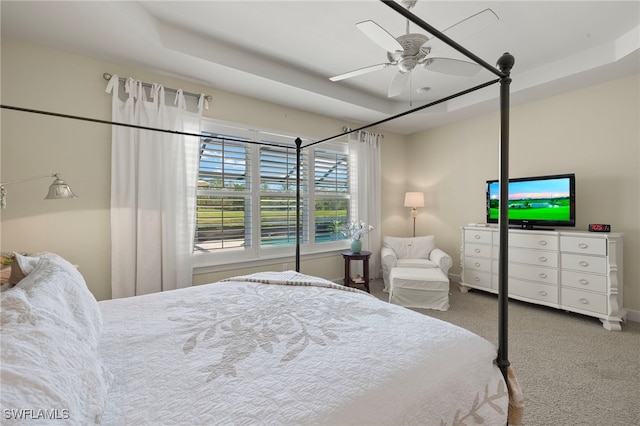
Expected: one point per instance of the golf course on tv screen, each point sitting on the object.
(544, 200)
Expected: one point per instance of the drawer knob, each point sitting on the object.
(583, 245)
(542, 293)
(542, 275)
(477, 250)
(477, 264)
(584, 301)
(542, 242)
(583, 281)
(584, 263)
(477, 237)
(542, 259)
(476, 279)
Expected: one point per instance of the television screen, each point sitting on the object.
(535, 201)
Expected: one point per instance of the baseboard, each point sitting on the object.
(633, 316)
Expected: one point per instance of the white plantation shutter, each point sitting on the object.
(278, 196)
(223, 218)
(331, 188)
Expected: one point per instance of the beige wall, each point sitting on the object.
(593, 132)
(40, 78)
(450, 163)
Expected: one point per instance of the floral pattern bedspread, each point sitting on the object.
(286, 348)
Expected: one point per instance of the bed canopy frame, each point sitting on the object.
(502, 71)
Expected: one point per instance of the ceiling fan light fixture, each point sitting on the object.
(407, 64)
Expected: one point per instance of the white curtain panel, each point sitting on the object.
(153, 190)
(365, 148)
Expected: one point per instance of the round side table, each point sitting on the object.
(364, 257)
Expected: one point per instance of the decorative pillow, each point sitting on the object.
(21, 267)
(411, 247)
(5, 273)
(50, 328)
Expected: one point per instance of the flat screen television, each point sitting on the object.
(537, 201)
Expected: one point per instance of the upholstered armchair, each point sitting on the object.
(412, 252)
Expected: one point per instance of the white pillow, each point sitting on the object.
(51, 326)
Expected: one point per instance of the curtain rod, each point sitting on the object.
(208, 98)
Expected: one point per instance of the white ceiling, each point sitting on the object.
(285, 51)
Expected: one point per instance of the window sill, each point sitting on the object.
(287, 262)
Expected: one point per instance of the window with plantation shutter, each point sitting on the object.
(246, 196)
(278, 195)
(331, 188)
(224, 194)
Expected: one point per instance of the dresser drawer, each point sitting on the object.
(476, 278)
(533, 273)
(592, 264)
(473, 236)
(478, 250)
(478, 263)
(546, 242)
(581, 281)
(534, 257)
(584, 300)
(541, 292)
(596, 246)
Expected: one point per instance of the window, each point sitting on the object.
(278, 195)
(331, 184)
(246, 197)
(224, 194)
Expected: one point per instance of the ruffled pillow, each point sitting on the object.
(51, 327)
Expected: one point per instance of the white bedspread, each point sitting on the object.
(303, 351)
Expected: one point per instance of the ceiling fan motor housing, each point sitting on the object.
(412, 54)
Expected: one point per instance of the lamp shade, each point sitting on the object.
(59, 189)
(414, 199)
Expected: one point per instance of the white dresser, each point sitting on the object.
(576, 271)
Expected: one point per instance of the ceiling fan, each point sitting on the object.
(410, 50)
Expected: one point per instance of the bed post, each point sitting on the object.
(505, 63)
(298, 168)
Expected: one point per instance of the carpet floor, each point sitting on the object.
(572, 371)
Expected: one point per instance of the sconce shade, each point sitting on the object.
(414, 199)
(59, 189)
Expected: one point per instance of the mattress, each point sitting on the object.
(285, 349)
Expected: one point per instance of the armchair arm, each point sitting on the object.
(388, 256)
(442, 259)
(389, 260)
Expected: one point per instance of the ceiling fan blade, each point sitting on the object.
(358, 72)
(379, 35)
(397, 84)
(452, 66)
(466, 28)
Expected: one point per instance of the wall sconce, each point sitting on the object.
(58, 189)
(414, 200)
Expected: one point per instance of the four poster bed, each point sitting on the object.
(267, 348)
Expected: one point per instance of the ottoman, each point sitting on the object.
(426, 288)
